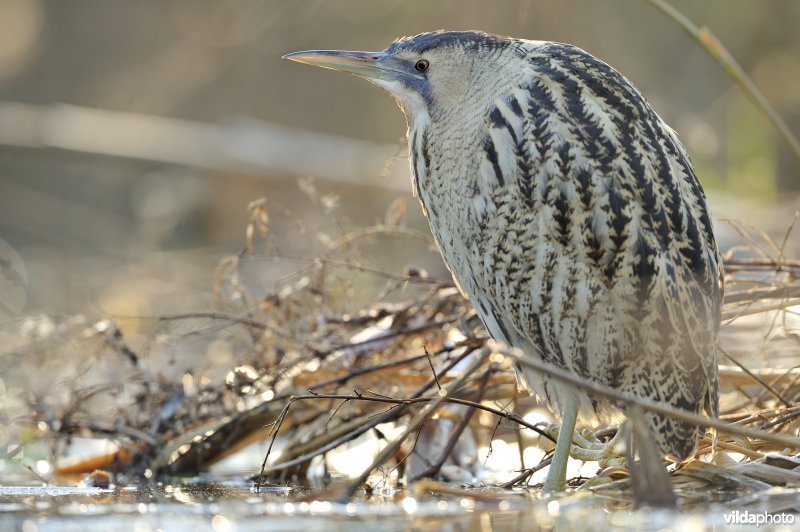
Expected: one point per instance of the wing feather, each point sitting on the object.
(620, 277)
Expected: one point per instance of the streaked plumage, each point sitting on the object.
(569, 214)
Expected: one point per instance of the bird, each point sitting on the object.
(569, 214)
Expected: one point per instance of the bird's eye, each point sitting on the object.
(421, 65)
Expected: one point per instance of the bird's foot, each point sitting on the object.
(588, 448)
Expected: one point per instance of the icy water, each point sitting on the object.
(229, 506)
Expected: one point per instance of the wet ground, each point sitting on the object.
(229, 506)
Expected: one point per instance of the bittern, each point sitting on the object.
(568, 212)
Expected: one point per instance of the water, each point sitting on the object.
(235, 506)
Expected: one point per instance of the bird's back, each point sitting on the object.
(572, 218)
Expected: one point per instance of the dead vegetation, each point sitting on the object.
(313, 380)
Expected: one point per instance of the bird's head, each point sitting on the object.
(432, 73)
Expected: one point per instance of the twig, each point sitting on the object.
(744, 418)
(528, 473)
(399, 403)
(518, 434)
(787, 234)
(390, 414)
(510, 416)
(37, 475)
(358, 372)
(755, 377)
(380, 229)
(657, 407)
(433, 370)
(491, 440)
(115, 430)
(249, 421)
(273, 436)
(403, 460)
(734, 265)
(731, 315)
(413, 425)
(336, 411)
(13, 450)
(434, 468)
(215, 316)
(436, 281)
(730, 447)
(388, 335)
(250, 323)
(782, 292)
(723, 57)
(781, 420)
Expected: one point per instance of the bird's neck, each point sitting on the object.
(419, 151)
(435, 168)
(442, 174)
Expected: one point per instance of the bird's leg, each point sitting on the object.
(557, 474)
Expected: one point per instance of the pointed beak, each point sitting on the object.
(370, 65)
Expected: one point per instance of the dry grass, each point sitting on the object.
(317, 379)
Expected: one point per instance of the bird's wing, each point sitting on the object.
(613, 198)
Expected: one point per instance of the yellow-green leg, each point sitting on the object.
(557, 474)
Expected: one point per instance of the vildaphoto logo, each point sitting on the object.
(746, 517)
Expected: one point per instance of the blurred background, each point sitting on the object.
(133, 135)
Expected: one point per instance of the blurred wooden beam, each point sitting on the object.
(245, 144)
